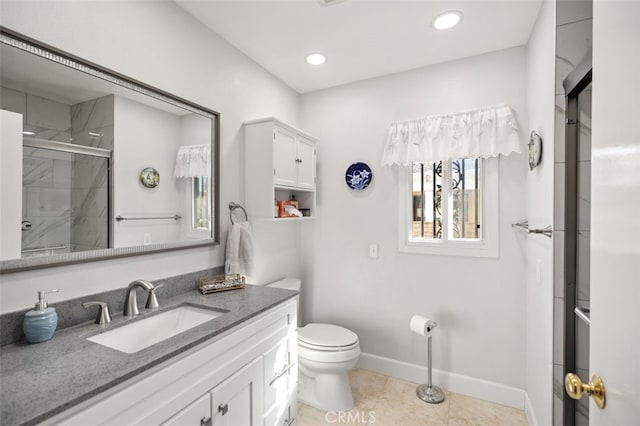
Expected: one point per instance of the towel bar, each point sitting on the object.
(524, 225)
(232, 207)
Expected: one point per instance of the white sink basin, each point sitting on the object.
(141, 334)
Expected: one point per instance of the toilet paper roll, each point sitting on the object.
(421, 325)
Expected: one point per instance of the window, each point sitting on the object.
(450, 207)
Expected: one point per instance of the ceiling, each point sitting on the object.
(362, 38)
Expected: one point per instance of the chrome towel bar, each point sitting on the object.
(174, 217)
(524, 225)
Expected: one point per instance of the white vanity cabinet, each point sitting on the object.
(246, 376)
(280, 161)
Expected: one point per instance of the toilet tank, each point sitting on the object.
(287, 284)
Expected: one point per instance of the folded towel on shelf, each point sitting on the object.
(239, 251)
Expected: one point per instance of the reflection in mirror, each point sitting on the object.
(86, 136)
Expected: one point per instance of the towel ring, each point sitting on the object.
(232, 207)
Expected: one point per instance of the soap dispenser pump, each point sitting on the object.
(40, 323)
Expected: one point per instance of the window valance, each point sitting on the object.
(483, 132)
(193, 161)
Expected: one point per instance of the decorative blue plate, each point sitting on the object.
(358, 176)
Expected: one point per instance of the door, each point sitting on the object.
(615, 202)
(284, 157)
(306, 163)
(239, 399)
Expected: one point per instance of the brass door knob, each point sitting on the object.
(575, 388)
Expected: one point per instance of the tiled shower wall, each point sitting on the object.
(573, 42)
(46, 175)
(65, 196)
(91, 125)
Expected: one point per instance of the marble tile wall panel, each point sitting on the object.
(558, 331)
(584, 124)
(584, 195)
(48, 202)
(90, 231)
(42, 112)
(90, 202)
(573, 41)
(93, 114)
(100, 137)
(13, 100)
(49, 134)
(37, 172)
(90, 172)
(583, 249)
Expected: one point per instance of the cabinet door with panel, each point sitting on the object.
(239, 400)
(285, 157)
(306, 160)
(197, 413)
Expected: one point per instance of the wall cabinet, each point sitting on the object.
(247, 376)
(280, 162)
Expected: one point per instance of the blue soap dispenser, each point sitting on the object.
(40, 323)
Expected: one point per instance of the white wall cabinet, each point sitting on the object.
(247, 376)
(280, 161)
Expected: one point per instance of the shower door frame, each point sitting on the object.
(71, 148)
(574, 84)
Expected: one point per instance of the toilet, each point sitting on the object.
(326, 354)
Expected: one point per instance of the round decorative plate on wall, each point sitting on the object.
(358, 176)
(149, 177)
(535, 150)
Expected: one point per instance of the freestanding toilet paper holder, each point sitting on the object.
(428, 392)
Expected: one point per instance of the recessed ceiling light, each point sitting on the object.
(316, 58)
(447, 20)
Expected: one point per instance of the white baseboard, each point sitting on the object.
(465, 385)
(528, 409)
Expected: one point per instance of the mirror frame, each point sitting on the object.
(35, 47)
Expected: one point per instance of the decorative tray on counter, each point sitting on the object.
(220, 283)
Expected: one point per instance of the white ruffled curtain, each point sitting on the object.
(193, 161)
(483, 132)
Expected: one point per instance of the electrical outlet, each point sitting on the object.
(373, 251)
(146, 239)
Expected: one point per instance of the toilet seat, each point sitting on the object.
(327, 337)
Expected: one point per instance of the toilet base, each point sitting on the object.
(326, 392)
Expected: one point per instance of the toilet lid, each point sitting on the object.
(326, 335)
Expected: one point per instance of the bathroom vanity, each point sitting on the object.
(238, 368)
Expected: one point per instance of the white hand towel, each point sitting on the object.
(239, 253)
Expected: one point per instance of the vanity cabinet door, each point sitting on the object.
(196, 414)
(239, 399)
(284, 157)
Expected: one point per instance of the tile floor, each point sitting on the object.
(385, 401)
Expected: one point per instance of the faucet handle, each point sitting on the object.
(103, 317)
(152, 300)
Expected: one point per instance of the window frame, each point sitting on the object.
(486, 246)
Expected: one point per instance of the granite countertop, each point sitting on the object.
(42, 380)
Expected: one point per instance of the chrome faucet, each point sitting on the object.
(131, 300)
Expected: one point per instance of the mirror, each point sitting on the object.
(104, 166)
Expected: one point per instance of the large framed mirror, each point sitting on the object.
(98, 165)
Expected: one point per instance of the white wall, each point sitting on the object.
(539, 249)
(138, 132)
(10, 184)
(479, 303)
(160, 44)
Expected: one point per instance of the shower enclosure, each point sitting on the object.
(65, 193)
